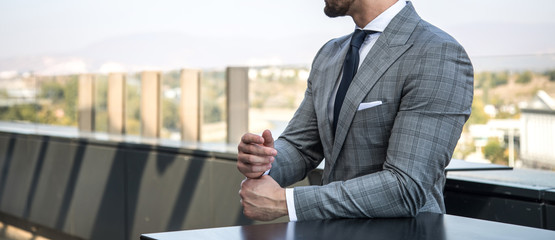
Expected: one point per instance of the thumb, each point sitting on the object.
(268, 139)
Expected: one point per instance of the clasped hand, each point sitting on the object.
(261, 196)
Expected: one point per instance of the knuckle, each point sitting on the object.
(251, 148)
(249, 159)
(246, 138)
(247, 213)
(241, 168)
(242, 158)
(242, 150)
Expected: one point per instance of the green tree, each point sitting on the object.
(133, 109)
(51, 90)
(58, 100)
(70, 90)
(4, 94)
(550, 75)
(101, 104)
(498, 79)
(495, 152)
(22, 112)
(213, 96)
(525, 77)
(170, 113)
(46, 115)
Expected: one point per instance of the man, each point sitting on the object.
(386, 129)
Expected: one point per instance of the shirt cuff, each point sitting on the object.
(290, 197)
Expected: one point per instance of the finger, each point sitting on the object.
(251, 171)
(250, 138)
(268, 139)
(256, 149)
(254, 159)
(247, 171)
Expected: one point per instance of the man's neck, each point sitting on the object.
(364, 11)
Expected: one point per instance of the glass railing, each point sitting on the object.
(214, 108)
(133, 104)
(495, 132)
(170, 98)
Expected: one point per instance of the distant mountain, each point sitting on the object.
(486, 39)
(164, 51)
(505, 46)
(491, 47)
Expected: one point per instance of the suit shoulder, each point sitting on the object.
(334, 43)
(430, 36)
(330, 48)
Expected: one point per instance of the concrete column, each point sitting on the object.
(150, 104)
(116, 103)
(237, 79)
(190, 114)
(86, 103)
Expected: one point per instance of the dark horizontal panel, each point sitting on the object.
(60, 133)
(485, 187)
(549, 196)
(540, 179)
(550, 217)
(495, 209)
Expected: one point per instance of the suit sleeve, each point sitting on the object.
(295, 160)
(435, 104)
(299, 147)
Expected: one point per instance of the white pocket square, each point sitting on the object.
(367, 105)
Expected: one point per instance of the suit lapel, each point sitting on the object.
(332, 70)
(391, 44)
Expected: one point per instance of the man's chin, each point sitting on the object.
(332, 13)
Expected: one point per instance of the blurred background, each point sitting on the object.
(45, 45)
(62, 182)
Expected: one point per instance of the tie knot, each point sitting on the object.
(359, 36)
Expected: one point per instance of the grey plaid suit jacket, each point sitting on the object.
(388, 160)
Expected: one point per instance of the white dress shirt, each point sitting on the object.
(378, 25)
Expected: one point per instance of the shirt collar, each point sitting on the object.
(381, 21)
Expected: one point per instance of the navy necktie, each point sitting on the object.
(350, 67)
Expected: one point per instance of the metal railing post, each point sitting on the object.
(190, 105)
(237, 80)
(85, 103)
(150, 104)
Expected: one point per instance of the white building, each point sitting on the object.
(537, 136)
(501, 129)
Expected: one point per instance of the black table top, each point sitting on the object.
(424, 226)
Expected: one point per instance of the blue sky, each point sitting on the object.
(35, 27)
